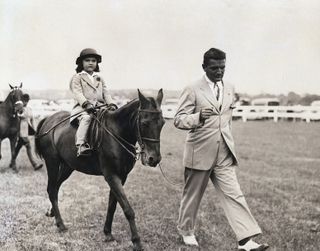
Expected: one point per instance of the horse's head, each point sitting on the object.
(15, 97)
(149, 125)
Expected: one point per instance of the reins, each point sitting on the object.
(117, 138)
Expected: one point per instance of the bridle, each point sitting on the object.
(139, 137)
(17, 102)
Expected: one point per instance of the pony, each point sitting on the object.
(9, 121)
(114, 136)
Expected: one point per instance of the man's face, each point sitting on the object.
(89, 64)
(215, 69)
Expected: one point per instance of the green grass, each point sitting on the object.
(279, 174)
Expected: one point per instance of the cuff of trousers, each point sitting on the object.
(247, 234)
(185, 232)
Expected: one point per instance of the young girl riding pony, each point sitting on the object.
(89, 90)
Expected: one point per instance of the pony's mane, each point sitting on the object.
(136, 101)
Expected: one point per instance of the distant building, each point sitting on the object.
(169, 108)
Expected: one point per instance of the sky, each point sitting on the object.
(272, 46)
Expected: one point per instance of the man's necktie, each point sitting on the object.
(217, 90)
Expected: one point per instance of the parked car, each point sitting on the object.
(169, 108)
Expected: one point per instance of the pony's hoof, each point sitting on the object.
(109, 238)
(137, 247)
(50, 213)
(62, 228)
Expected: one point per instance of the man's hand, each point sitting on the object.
(205, 113)
(88, 107)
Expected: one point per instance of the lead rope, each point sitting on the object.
(176, 184)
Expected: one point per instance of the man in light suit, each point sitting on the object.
(205, 109)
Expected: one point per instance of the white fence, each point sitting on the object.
(42, 108)
(307, 113)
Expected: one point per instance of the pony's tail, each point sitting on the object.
(37, 139)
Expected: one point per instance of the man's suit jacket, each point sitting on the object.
(84, 89)
(201, 146)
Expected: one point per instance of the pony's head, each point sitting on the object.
(15, 97)
(149, 126)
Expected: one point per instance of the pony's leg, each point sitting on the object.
(52, 189)
(0, 149)
(118, 191)
(112, 205)
(64, 174)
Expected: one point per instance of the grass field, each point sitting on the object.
(279, 174)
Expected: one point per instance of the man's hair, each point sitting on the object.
(213, 53)
(25, 97)
(80, 68)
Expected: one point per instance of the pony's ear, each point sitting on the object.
(143, 99)
(160, 97)
(11, 87)
(20, 85)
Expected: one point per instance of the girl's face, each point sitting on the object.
(89, 64)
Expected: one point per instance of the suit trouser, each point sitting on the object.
(84, 123)
(24, 141)
(224, 179)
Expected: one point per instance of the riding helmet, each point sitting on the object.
(88, 52)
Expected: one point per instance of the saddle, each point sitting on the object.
(94, 134)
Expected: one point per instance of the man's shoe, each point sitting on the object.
(37, 167)
(84, 150)
(252, 246)
(190, 240)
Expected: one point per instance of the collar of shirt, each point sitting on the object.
(212, 84)
(91, 77)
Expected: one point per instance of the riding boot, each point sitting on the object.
(83, 148)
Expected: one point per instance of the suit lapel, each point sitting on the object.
(86, 78)
(227, 95)
(207, 93)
